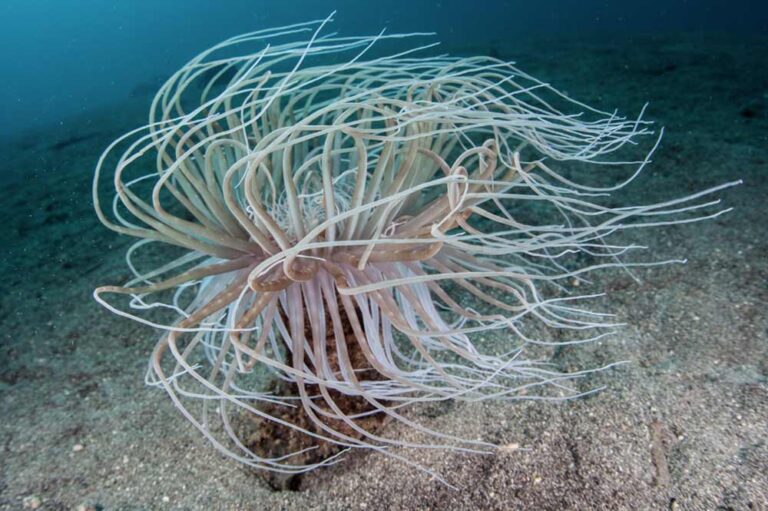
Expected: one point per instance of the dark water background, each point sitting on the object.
(60, 58)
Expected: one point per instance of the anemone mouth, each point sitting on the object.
(355, 228)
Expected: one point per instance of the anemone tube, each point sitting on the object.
(358, 227)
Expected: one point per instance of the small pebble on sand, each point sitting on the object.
(32, 502)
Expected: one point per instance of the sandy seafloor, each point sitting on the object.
(683, 426)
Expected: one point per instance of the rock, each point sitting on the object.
(32, 502)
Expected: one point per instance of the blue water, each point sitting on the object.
(60, 58)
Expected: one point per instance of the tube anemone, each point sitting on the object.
(361, 234)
